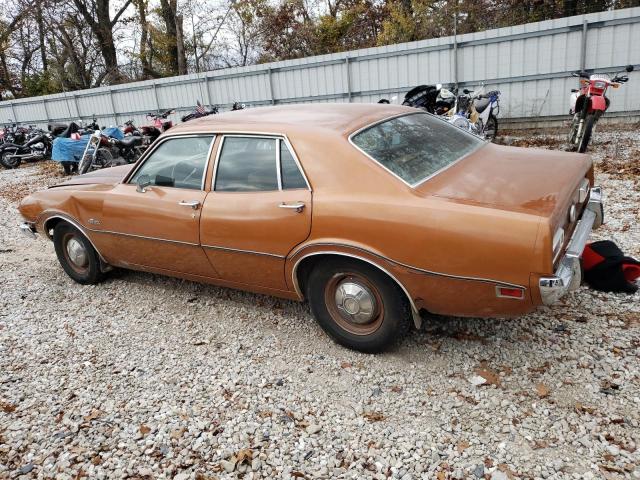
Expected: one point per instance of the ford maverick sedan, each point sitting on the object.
(377, 215)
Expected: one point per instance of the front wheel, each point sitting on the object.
(589, 123)
(76, 255)
(491, 129)
(358, 305)
(9, 159)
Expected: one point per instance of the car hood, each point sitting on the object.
(534, 181)
(103, 176)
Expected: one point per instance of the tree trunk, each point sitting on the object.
(41, 34)
(182, 60)
(168, 13)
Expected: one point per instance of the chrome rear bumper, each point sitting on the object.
(28, 229)
(568, 275)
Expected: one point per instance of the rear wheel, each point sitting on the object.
(358, 305)
(589, 123)
(9, 159)
(76, 255)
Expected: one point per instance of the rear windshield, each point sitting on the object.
(415, 146)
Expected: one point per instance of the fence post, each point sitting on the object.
(206, 90)
(13, 112)
(75, 103)
(155, 95)
(46, 110)
(455, 49)
(347, 66)
(113, 107)
(273, 98)
(583, 46)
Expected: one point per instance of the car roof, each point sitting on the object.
(340, 118)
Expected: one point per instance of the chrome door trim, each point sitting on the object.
(238, 250)
(410, 267)
(144, 237)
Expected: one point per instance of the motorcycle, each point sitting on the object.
(36, 147)
(104, 152)
(160, 125)
(588, 103)
(200, 112)
(484, 110)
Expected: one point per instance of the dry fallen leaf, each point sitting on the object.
(396, 389)
(7, 407)
(144, 429)
(441, 476)
(462, 446)
(373, 416)
(297, 474)
(542, 390)
(491, 377)
(345, 365)
(580, 408)
(245, 455)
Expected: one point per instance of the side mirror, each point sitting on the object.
(143, 182)
(629, 68)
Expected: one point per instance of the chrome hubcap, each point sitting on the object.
(355, 302)
(77, 253)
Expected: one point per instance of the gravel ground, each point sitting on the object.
(151, 377)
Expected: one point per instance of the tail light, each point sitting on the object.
(510, 292)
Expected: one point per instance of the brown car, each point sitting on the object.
(375, 214)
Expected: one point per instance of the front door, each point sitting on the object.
(259, 209)
(158, 225)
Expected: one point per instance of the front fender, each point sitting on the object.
(598, 104)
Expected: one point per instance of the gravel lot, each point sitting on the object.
(151, 377)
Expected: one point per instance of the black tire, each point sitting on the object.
(85, 163)
(87, 272)
(491, 129)
(9, 163)
(589, 123)
(68, 167)
(571, 138)
(391, 312)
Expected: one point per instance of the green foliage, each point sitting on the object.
(41, 83)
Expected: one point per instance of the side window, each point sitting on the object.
(247, 164)
(177, 162)
(290, 173)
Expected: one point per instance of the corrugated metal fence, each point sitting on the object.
(530, 64)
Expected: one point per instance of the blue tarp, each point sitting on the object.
(114, 132)
(68, 149)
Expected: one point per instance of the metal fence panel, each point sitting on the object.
(530, 64)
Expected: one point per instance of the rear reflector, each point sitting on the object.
(510, 292)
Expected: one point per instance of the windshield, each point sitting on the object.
(415, 146)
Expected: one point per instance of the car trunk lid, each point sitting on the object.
(534, 181)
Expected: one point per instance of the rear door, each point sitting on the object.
(258, 210)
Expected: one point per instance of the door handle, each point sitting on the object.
(193, 204)
(298, 206)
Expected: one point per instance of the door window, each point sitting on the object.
(178, 163)
(247, 164)
(290, 173)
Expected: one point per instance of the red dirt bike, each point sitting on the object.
(588, 103)
(160, 125)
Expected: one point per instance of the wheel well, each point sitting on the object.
(50, 224)
(306, 265)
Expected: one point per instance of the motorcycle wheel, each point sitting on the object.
(8, 162)
(571, 138)
(589, 123)
(491, 129)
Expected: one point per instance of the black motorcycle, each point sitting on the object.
(37, 146)
(200, 112)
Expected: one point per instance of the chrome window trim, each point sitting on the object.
(276, 136)
(417, 184)
(238, 250)
(145, 156)
(278, 166)
(410, 267)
